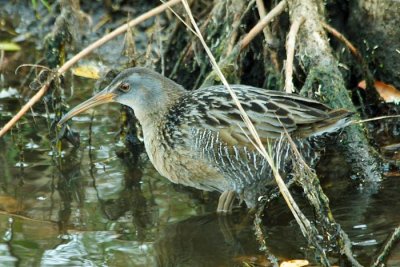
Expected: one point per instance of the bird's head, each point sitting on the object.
(144, 90)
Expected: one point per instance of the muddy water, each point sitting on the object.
(89, 206)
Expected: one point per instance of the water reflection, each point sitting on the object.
(208, 240)
(107, 206)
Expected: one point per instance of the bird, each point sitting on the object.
(198, 138)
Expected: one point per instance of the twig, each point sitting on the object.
(376, 119)
(344, 40)
(373, 94)
(262, 23)
(181, 20)
(262, 12)
(32, 65)
(393, 239)
(25, 218)
(290, 45)
(84, 53)
(261, 8)
(24, 109)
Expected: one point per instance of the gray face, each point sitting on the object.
(143, 93)
(139, 88)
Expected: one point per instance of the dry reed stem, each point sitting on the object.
(261, 8)
(262, 13)
(290, 45)
(83, 53)
(375, 119)
(181, 19)
(258, 144)
(278, 9)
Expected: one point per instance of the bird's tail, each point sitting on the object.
(338, 119)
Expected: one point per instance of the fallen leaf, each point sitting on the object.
(88, 71)
(294, 263)
(10, 47)
(388, 92)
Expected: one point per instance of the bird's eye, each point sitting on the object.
(124, 87)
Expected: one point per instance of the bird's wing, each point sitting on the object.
(271, 113)
(218, 134)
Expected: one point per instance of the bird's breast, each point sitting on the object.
(174, 160)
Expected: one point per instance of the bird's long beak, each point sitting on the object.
(98, 99)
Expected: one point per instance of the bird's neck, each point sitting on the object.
(153, 127)
(153, 118)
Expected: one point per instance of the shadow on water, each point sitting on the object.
(98, 206)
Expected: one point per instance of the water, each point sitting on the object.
(89, 207)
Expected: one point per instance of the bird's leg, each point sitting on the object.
(227, 229)
(225, 203)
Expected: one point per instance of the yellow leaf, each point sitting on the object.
(294, 263)
(10, 47)
(90, 72)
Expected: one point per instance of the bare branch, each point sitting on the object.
(290, 45)
(278, 9)
(372, 93)
(344, 40)
(262, 12)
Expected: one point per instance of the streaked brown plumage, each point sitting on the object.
(195, 138)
